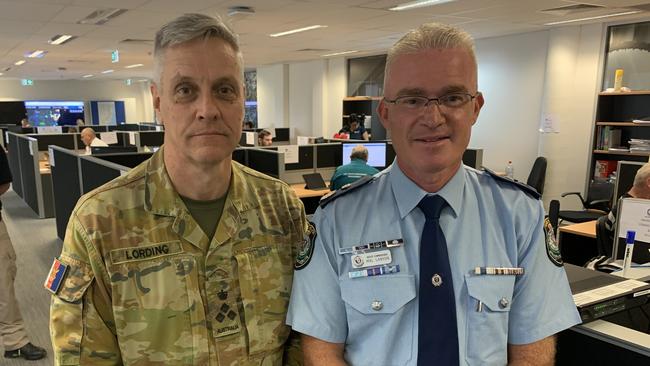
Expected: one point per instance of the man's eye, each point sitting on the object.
(408, 101)
(454, 98)
(227, 91)
(184, 91)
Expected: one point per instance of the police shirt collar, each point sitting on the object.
(407, 194)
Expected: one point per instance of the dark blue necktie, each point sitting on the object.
(437, 330)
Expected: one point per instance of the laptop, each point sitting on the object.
(598, 294)
(314, 181)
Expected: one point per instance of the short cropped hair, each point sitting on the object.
(262, 134)
(189, 27)
(359, 152)
(642, 176)
(430, 36)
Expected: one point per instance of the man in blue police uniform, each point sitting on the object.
(354, 170)
(444, 265)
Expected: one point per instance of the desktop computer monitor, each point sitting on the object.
(625, 173)
(376, 152)
(633, 214)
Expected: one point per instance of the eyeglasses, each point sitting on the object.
(416, 103)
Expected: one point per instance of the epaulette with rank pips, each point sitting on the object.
(524, 187)
(344, 190)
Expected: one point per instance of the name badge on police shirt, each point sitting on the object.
(378, 258)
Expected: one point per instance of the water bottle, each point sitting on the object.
(510, 170)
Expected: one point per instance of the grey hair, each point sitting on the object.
(189, 27)
(359, 152)
(642, 176)
(430, 36)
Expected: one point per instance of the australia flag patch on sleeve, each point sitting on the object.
(55, 277)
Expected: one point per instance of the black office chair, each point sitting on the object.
(554, 214)
(597, 203)
(604, 237)
(537, 174)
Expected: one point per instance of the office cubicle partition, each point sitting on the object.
(66, 140)
(14, 163)
(240, 156)
(150, 138)
(282, 134)
(96, 172)
(65, 185)
(266, 161)
(473, 158)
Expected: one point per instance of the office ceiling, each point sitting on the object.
(363, 25)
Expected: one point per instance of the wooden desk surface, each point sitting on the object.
(305, 193)
(587, 229)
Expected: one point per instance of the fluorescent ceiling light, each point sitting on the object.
(35, 54)
(339, 53)
(418, 4)
(297, 30)
(19, 62)
(1, 74)
(107, 71)
(143, 80)
(133, 66)
(88, 76)
(592, 18)
(60, 39)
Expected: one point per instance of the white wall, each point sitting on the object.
(272, 95)
(572, 83)
(138, 104)
(306, 81)
(511, 78)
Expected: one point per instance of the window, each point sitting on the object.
(366, 76)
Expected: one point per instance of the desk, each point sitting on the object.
(44, 167)
(309, 197)
(577, 242)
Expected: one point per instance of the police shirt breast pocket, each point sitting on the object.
(376, 311)
(155, 290)
(488, 308)
(265, 276)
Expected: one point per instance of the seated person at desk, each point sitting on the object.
(24, 123)
(89, 138)
(248, 125)
(264, 138)
(357, 168)
(355, 129)
(640, 189)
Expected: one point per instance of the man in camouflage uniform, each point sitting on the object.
(188, 258)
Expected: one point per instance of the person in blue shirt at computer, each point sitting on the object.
(430, 262)
(354, 170)
(355, 129)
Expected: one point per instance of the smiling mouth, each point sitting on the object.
(432, 139)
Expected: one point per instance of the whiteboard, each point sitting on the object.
(106, 112)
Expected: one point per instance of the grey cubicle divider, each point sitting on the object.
(473, 158)
(66, 185)
(35, 188)
(14, 163)
(95, 172)
(149, 138)
(266, 161)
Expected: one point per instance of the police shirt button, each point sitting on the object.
(377, 305)
(503, 303)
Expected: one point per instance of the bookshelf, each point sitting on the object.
(614, 127)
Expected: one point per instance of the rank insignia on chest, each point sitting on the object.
(307, 250)
(55, 277)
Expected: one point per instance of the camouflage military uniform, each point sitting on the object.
(145, 286)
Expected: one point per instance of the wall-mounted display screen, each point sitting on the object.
(54, 112)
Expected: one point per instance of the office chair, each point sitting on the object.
(597, 203)
(553, 214)
(604, 237)
(537, 174)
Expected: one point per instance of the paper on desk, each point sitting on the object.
(605, 292)
(303, 140)
(131, 138)
(250, 138)
(291, 155)
(109, 137)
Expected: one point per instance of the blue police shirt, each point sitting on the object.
(487, 223)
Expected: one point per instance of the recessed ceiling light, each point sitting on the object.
(35, 54)
(19, 62)
(298, 30)
(61, 39)
(418, 4)
(592, 18)
(133, 66)
(339, 53)
(1, 73)
(107, 71)
(88, 75)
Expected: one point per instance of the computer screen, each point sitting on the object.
(625, 174)
(54, 112)
(376, 153)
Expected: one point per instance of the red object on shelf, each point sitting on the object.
(604, 168)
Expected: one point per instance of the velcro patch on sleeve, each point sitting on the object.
(55, 277)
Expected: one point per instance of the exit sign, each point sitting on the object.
(115, 56)
(27, 82)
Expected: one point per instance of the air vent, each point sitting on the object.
(571, 9)
(239, 11)
(314, 50)
(147, 42)
(101, 16)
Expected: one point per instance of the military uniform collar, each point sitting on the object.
(407, 194)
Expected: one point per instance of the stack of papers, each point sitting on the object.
(639, 145)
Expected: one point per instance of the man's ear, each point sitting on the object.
(382, 112)
(155, 96)
(478, 104)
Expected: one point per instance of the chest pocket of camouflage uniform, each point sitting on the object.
(159, 311)
(265, 276)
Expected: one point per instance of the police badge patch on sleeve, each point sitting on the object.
(552, 250)
(304, 256)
